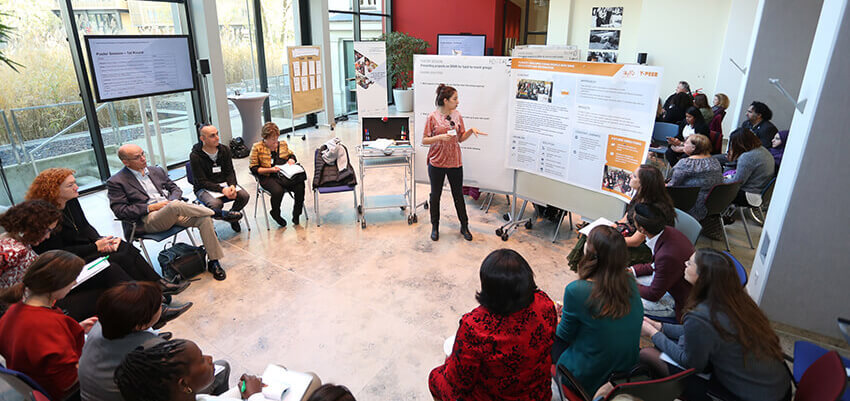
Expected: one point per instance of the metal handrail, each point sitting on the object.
(64, 131)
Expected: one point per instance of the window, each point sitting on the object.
(278, 34)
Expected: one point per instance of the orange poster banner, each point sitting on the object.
(622, 157)
(575, 67)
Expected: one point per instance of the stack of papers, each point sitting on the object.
(381, 143)
(289, 170)
(284, 385)
(599, 222)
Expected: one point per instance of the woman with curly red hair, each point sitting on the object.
(59, 187)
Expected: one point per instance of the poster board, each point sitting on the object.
(584, 124)
(483, 89)
(557, 52)
(306, 79)
(370, 69)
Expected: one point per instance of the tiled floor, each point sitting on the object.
(368, 308)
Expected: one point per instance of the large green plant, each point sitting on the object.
(5, 37)
(400, 50)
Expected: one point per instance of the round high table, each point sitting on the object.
(250, 106)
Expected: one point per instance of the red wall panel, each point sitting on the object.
(425, 19)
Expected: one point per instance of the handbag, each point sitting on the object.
(182, 262)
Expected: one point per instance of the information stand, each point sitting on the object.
(305, 82)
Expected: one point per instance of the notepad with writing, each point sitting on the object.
(284, 385)
(92, 268)
(598, 222)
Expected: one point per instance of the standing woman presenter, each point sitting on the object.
(444, 131)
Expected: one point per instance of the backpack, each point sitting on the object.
(182, 262)
(238, 149)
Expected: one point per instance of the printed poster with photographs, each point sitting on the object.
(604, 42)
(370, 68)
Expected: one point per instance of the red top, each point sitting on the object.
(42, 343)
(15, 258)
(500, 357)
(444, 154)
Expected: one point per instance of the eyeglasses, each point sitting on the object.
(137, 157)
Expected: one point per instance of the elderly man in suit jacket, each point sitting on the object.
(147, 196)
(662, 283)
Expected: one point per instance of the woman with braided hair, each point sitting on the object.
(174, 370)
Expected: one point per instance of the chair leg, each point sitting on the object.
(265, 211)
(725, 237)
(191, 237)
(247, 224)
(256, 199)
(316, 207)
(746, 228)
(145, 251)
(356, 209)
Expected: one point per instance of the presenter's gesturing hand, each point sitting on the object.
(469, 132)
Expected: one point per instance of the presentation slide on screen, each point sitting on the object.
(132, 67)
(483, 86)
(586, 124)
(461, 45)
(370, 68)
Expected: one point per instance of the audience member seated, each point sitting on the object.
(720, 104)
(758, 121)
(502, 349)
(754, 165)
(777, 148)
(145, 195)
(648, 182)
(27, 224)
(699, 169)
(723, 329)
(74, 233)
(701, 103)
(125, 316)
(674, 113)
(693, 124)
(659, 112)
(332, 392)
(602, 313)
(38, 339)
(176, 370)
(266, 155)
(661, 283)
(215, 178)
(681, 87)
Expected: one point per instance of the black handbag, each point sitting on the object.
(238, 148)
(182, 262)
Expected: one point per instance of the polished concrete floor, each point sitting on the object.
(368, 308)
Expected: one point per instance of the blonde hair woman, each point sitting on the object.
(266, 156)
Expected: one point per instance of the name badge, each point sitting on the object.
(452, 132)
(216, 169)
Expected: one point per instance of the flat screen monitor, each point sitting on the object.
(395, 128)
(461, 45)
(131, 66)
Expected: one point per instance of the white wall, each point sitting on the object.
(559, 22)
(736, 46)
(581, 23)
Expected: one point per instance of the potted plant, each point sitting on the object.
(400, 50)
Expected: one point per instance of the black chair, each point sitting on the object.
(758, 213)
(684, 198)
(133, 233)
(719, 198)
(261, 197)
(191, 179)
(666, 388)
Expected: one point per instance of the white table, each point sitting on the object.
(250, 106)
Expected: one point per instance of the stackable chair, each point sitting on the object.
(819, 374)
(324, 190)
(261, 197)
(191, 179)
(742, 272)
(759, 212)
(15, 385)
(664, 389)
(660, 133)
(719, 198)
(683, 197)
(134, 233)
(687, 225)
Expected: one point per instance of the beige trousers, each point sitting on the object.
(186, 215)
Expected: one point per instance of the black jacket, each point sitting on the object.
(74, 235)
(202, 168)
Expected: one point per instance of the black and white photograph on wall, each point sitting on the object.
(607, 17)
(602, 57)
(530, 89)
(603, 39)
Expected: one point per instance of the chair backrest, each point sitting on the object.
(687, 225)
(568, 387)
(742, 272)
(767, 192)
(667, 388)
(683, 197)
(16, 385)
(716, 139)
(662, 131)
(720, 197)
(824, 380)
(189, 176)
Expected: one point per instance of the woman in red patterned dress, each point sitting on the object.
(502, 348)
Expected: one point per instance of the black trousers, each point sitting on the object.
(674, 157)
(278, 185)
(81, 302)
(438, 175)
(129, 259)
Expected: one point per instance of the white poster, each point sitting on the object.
(370, 67)
(483, 91)
(586, 124)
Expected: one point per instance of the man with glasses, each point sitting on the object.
(215, 178)
(147, 196)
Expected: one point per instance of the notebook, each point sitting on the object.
(598, 222)
(284, 385)
(91, 269)
(289, 170)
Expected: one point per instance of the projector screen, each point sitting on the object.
(131, 66)
(460, 45)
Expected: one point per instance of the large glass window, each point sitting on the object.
(42, 121)
(238, 48)
(279, 33)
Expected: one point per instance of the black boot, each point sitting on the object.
(464, 230)
(277, 219)
(435, 232)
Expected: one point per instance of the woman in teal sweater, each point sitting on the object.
(602, 313)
